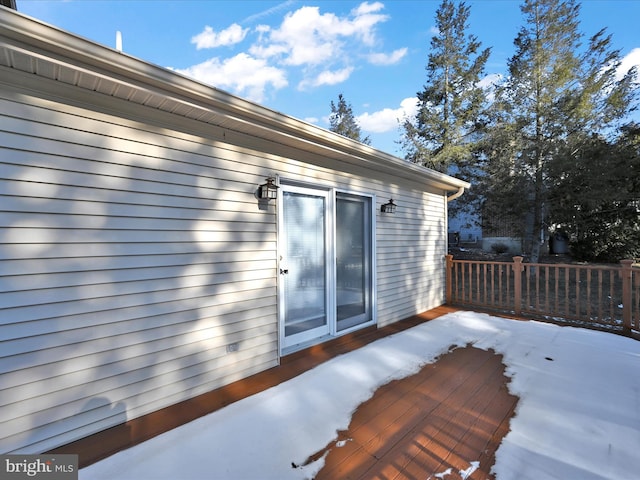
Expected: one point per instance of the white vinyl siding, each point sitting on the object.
(410, 250)
(133, 252)
(130, 260)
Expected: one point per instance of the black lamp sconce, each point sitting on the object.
(269, 190)
(388, 207)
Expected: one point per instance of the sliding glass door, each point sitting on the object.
(325, 263)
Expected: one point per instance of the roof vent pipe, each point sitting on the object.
(119, 41)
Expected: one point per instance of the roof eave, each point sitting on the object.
(81, 52)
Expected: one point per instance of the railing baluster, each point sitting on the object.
(469, 284)
(636, 315)
(526, 282)
(557, 307)
(546, 288)
(578, 276)
(536, 290)
(478, 281)
(484, 268)
(600, 293)
(507, 290)
(494, 284)
(589, 293)
(500, 286)
(463, 266)
(611, 297)
(566, 291)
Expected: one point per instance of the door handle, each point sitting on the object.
(284, 271)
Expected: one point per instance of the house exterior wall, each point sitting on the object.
(133, 252)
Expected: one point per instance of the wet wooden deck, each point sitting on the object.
(446, 421)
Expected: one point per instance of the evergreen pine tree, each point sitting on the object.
(557, 90)
(451, 104)
(343, 122)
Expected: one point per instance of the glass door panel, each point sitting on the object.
(353, 260)
(304, 264)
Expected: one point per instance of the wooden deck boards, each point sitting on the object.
(450, 413)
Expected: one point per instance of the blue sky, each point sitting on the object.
(296, 56)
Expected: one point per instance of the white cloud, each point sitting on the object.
(267, 12)
(242, 74)
(387, 58)
(388, 119)
(209, 38)
(304, 38)
(327, 77)
(366, 7)
(308, 37)
(320, 48)
(365, 19)
(632, 59)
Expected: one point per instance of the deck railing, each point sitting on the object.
(601, 296)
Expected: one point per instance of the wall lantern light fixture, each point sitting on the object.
(388, 207)
(269, 190)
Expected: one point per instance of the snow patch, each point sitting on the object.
(577, 416)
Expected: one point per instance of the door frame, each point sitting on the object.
(330, 234)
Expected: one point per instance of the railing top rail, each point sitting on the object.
(635, 267)
(577, 266)
(482, 262)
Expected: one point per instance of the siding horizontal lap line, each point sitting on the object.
(41, 154)
(96, 236)
(97, 217)
(22, 368)
(82, 174)
(170, 355)
(250, 222)
(95, 276)
(48, 440)
(168, 393)
(93, 249)
(169, 374)
(84, 265)
(208, 209)
(84, 338)
(14, 318)
(180, 157)
(23, 190)
(87, 291)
